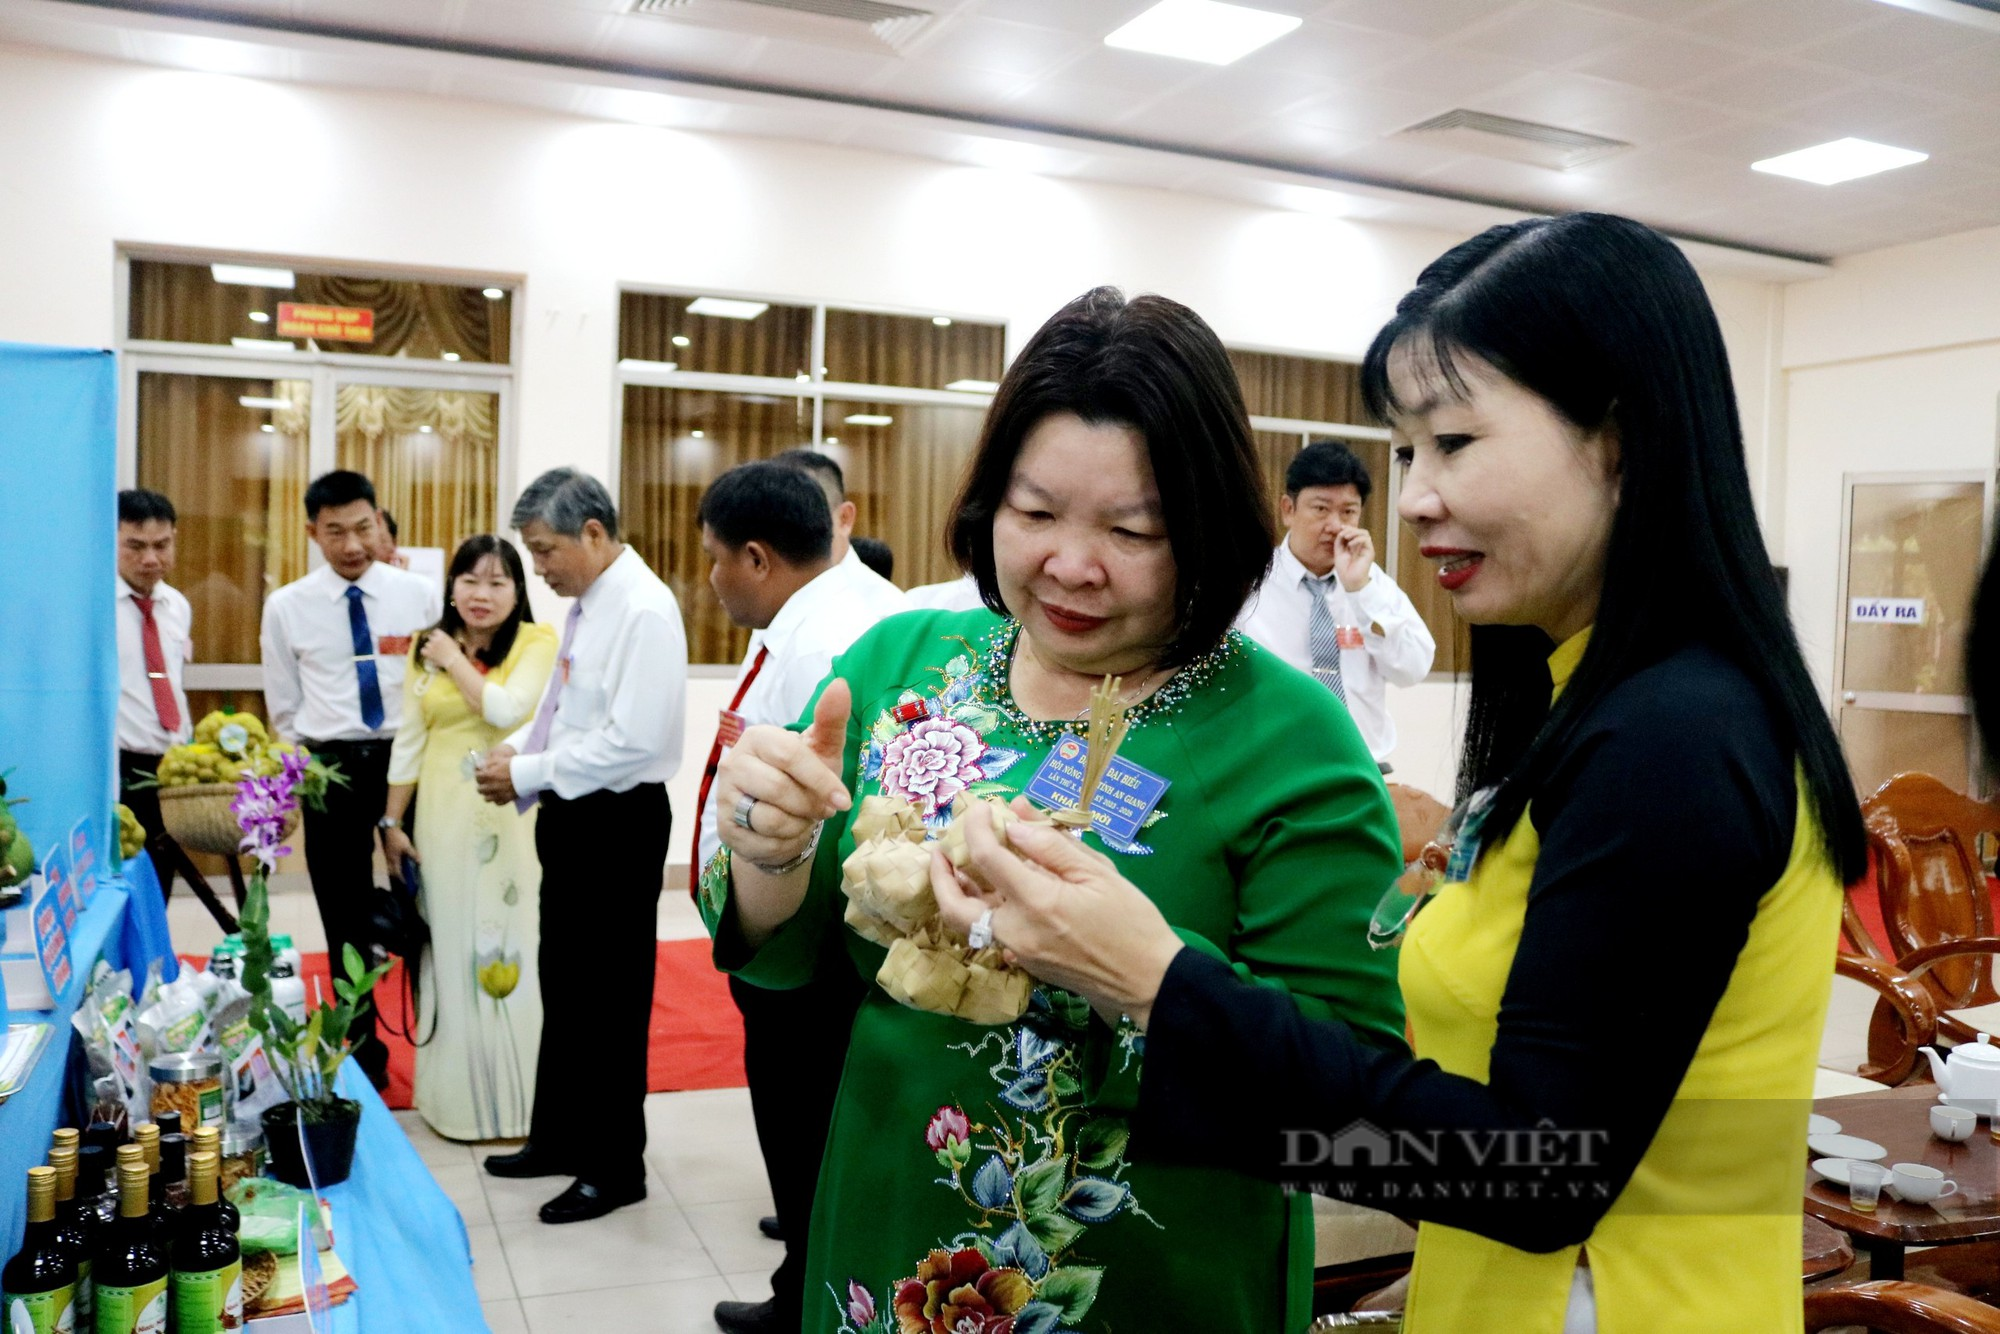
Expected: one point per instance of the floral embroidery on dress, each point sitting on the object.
(1048, 1170)
(928, 750)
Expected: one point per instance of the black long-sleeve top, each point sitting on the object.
(1660, 830)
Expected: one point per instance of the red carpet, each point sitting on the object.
(695, 1040)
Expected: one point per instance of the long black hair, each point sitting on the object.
(470, 552)
(1607, 322)
(1982, 661)
(1154, 365)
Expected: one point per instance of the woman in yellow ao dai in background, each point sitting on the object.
(473, 679)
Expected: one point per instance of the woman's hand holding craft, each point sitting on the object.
(1062, 911)
(774, 787)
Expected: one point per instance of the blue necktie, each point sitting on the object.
(1323, 637)
(364, 660)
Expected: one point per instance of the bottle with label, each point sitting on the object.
(207, 1266)
(76, 1225)
(208, 1139)
(131, 1271)
(40, 1282)
(288, 989)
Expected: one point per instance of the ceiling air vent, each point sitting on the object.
(868, 23)
(1516, 140)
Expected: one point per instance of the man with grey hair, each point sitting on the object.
(597, 756)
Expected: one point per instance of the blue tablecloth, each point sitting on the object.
(397, 1232)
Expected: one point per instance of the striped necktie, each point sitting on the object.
(1323, 637)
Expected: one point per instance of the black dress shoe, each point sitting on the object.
(583, 1201)
(526, 1161)
(753, 1318)
(768, 1225)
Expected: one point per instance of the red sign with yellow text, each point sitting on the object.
(341, 324)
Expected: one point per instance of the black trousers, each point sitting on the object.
(603, 858)
(794, 1048)
(169, 857)
(340, 858)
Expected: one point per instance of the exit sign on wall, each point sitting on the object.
(1886, 611)
(340, 324)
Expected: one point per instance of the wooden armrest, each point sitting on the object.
(1918, 962)
(1899, 1308)
(1908, 1000)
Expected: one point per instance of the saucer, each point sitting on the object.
(1977, 1106)
(1846, 1146)
(1821, 1125)
(1835, 1170)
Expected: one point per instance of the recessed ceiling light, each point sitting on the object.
(682, 340)
(268, 429)
(492, 293)
(833, 440)
(941, 321)
(424, 429)
(448, 356)
(975, 386)
(250, 275)
(725, 309)
(696, 434)
(268, 404)
(867, 419)
(1204, 30)
(263, 344)
(260, 317)
(1841, 160)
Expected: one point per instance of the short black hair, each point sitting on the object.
(333, 489)
(137, 506)
(1327, 463)
(823, 466)
(769, 502)
(1154, 365)
(389, 522)
(875, 554)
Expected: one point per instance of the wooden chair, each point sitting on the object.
(1905, 1019)
(1936, 907)
(1419, 816)
(1899, 1308)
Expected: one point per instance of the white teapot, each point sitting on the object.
(1970, 1076)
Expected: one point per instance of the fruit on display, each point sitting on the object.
(17, 855)
(131, 834)
(226, 745)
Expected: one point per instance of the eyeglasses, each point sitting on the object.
(1446, 859)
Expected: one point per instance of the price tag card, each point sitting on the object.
(61, 884)
(83, 860)
(1125, 797)
(52, 945)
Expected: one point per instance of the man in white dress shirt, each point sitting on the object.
(335, 647)
(1326, 607)
(884, 597)
(769, 534)
(155, 644)
(604, 740)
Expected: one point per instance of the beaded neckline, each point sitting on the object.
(996, 685)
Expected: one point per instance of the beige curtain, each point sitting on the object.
(432, 454)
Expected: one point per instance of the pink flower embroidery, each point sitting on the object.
(948, 1128)
(860, 1305)
(932, 763)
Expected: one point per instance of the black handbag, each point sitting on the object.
(398, 926)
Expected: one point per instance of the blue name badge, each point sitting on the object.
(1125, 797)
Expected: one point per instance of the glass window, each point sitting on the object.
(433, 454)
(904, 464)
(263, 306)
(716, 336)
(911, 351)
(236, 472)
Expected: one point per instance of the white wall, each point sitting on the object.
(1890, 365)
(99, 154)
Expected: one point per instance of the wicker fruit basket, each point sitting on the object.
(198, 817)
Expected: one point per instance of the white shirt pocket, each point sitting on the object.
(586, 703)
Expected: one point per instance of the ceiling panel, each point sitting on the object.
(1699, 88)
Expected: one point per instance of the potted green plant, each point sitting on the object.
(305, 1056)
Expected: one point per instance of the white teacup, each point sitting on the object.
(1919, 1184)
(1953, 1123)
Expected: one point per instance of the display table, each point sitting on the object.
(398, 1234)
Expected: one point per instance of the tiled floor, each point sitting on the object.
(661, 1266)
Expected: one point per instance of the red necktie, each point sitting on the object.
(714, 763)
(156, 667)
